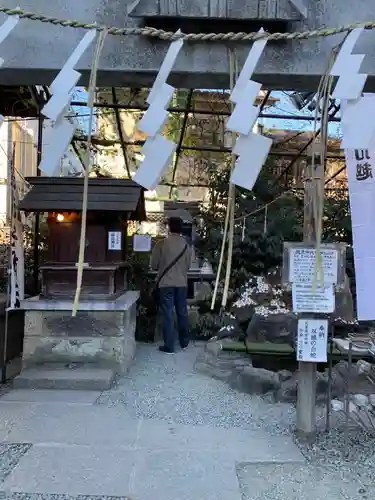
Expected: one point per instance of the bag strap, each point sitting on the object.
(169, 266)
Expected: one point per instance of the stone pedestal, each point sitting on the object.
(101, 336)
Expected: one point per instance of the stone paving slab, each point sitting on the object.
(50, 396)
(12, 415)
(75, 424)
(182, 475)
(142, 475)
(72, 470)
(97, 425)
(299, 482)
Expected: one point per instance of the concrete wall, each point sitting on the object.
(22, 134)
(34, 53)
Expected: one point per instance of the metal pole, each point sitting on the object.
(281, 154)
(121, 135)
(176, 109)
(180, 141)
(305, 147)
(347, 399)
(329, 388)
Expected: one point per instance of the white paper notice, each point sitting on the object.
(142, 243)
(114, 240)
(312, 340)
(305, 299)
(302, 265)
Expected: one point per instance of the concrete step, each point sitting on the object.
(82, 378)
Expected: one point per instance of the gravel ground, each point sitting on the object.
(299, 482)
(167, 387)
(39, 496)
(10, 454)
(328, 451)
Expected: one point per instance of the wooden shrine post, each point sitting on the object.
(306, 393)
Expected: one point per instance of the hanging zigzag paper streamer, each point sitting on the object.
(5, 30)
(252, 149)
(60, 134)
(357, 132)
(157, 150)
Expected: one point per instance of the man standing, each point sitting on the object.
(171, 257)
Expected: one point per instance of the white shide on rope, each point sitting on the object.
(59, 135)
(157, 150)
(357, 132)
(252, 149)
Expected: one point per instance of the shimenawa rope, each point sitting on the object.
(189, 37)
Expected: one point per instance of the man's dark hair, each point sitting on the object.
(175, 225)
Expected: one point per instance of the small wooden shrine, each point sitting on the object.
(111, 204)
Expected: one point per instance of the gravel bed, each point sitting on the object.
(167, 387)
(328, 450)
(10, 455)
(290, 481)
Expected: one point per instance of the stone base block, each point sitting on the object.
(92, 379)
(101, 336)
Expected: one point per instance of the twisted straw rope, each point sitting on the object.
(191, 37)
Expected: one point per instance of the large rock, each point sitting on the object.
(276, 328)
(256, 381)
(344, 303)
(219, 364)
(289, 387)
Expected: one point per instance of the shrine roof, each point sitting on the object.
(51, 194)
(192, 209)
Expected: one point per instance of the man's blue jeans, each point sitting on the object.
(170, 297)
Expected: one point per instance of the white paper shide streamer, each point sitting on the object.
(252, 149)
(58, 137)
(358, 142)
(358, 132)
(157, 150)
(5, 30)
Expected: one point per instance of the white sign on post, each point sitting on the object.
(306, 299)
(302, 265)
(142, 243)
(114, 240)
(312, 340)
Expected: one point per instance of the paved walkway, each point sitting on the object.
(164, 433)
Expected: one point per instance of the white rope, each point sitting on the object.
(91, 98)
(317, 179)
(229, 214)
(232, 188)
